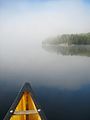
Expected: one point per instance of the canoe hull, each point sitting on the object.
(25, 106)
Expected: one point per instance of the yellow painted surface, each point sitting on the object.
(26, 103)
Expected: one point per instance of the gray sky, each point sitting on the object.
(37, 20)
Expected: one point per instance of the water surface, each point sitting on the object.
(60, 78)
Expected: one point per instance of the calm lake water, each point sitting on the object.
(60, 78)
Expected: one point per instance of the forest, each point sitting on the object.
(69, 39)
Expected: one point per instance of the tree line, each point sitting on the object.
(76, 39)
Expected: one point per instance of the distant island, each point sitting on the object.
(69, 44)
(69, 39)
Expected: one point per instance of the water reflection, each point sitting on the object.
(56, 103)
(61, 83)
(80, 50)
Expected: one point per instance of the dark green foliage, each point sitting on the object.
(76, 39)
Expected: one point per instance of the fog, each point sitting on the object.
(38, 20)
(23, 26)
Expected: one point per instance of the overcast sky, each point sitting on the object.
(43, 18)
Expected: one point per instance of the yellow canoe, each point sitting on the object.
(25, 106)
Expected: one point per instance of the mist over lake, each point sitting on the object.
(59, 75)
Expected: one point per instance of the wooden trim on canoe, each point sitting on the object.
(27, 112)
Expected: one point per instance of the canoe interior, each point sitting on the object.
(26, 103)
